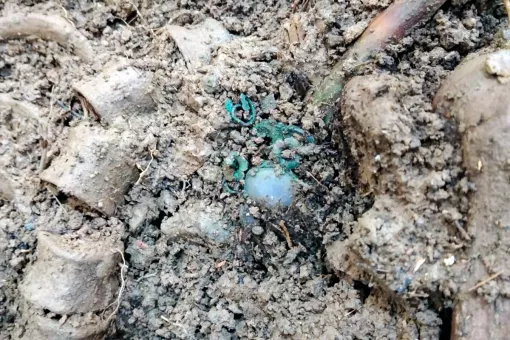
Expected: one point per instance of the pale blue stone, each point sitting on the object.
(265, 186)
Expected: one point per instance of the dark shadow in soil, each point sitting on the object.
(446, 315)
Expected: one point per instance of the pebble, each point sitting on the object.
(268, 103)
(29, 226)
(469, 23)
(266, 187)
(286, 92)
(257, 230)
(126, 34)
(211, 83)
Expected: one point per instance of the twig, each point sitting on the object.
(123, 268)
(144, 172)
(56, 199)
(46, 133)
(143, 19)
(484, 282)
(507, 7)
(462, 231)
(286, 232)
(66, 15)
(146, 277)
(295, 6)
(316, 180)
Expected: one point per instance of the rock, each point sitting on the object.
(257, 230)
(196, 43)
(6, 189)
(198, 221)
(211, 83)
(286, 92)
(266, 187)
(139, 212)
(144, 211)
(189, 156)
(126, 34)
(167, 202)
(74, 327)
(141, 254)
(210, 173)
(268, 103)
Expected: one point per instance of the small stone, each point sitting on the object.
(469, 23)
(197, 42)
(126, 34)
(167, 202)
(286, 92)
(449, 261)
(304, 273)
(16, 262)
(29, 226)
(257, 230)
(210, 174)
(211, 83)
(139, 213)
(265, 186)
(334, 40)
(198, 220)
(498, 64)
(268, 103)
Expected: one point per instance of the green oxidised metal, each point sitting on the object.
(236, 167)
(246, 105)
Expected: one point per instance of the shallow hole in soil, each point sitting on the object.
(363, 289)
(446, 315)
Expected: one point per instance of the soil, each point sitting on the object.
(373, 244)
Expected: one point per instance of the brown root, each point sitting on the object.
(48, 27)
(116, 92)
(75, 327)
(477, 98)
(7, 191)
(95, 168)
(391, 25)
(28, 110)
(68, 278)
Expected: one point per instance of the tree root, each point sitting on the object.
(391, 25)
(47, 27)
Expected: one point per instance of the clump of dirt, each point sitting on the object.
(207, 262)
